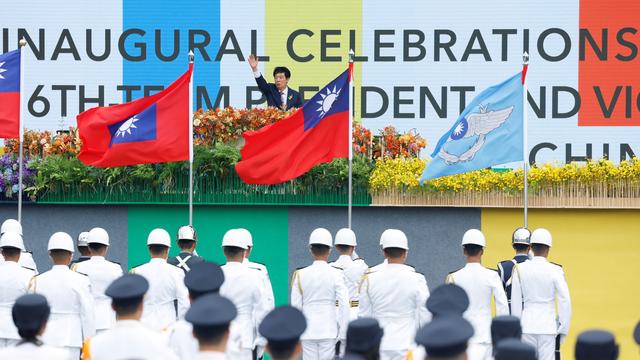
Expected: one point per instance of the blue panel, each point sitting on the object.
(168, 16)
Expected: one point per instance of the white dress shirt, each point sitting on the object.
(166, 286)
(69, 296)
(101, 273)
(396, 296)
(316, 290)
(481, 285)
(538, 283)
(14, 282)
(128, 339)
(245, 288)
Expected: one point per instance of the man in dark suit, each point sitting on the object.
(278, 94)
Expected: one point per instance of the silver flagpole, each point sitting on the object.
(22, 44)
(191, 56)
(525, 139)
(351, 53)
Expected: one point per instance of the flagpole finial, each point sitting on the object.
(351, 55)
(191, 56)
(525, 58)
(22, 42)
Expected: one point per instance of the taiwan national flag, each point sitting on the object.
(316, 133)
(153, 129)
(10, 95)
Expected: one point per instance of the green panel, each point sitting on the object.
(267, 224)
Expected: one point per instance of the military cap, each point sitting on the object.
(636, 333)
(448, 299)
(30, 312)
(284, 324)
(211, 310)
(510, 349)
(363, 334)
(445, 336)
(204, 277)
(505, 327)
(596, 344)
(127, 286)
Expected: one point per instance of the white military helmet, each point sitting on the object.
(12, 239)
(321, 236)
(246, 235)
(159, 237)
(235, 238)
(394, 238)
(345, 237)
(11, 225)
(474, 237)
(82, 238)
(541, 236)
(60, 241)
(521, 236)
(98, 236)
(187, 232)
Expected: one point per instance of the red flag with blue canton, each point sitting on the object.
(10, 94)
(316, 133)
(153, 129)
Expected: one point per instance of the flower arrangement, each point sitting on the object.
(392, 144)
(9, 175)
(39, 144)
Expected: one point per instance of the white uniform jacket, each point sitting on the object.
(128, 339)
(396, 296)
(537, 284)
(14, 282)
(69, 296)
(181, 340)
(353, 270)
(265, 278)
(245, 288)
(481, 284)
(31, 351)
(320, 292)
(166, 286)
(101, 273)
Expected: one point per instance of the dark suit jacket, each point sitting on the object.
(273, 95)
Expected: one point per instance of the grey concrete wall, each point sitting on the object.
(40, 221)
(434, 234)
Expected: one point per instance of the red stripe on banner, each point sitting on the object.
(525, 67)
(610, 88)
(9, 115)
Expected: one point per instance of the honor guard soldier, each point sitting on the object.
(167, 299)
(128, 339)
(395, 295)
(30, 313)
(245, 288)
(101, 273)
(248, 238)
(363, 338)
(69, 295)
(345, 243)
(26, 258)
(14, 282)
(83, 248)
(521, 243)
(211, 316)
(187, 243)
(282, 328)
(514, 349)
(446, 337)
(537, 287)
(481, 285)
(319, 291)
(596, 345)
(204, 278)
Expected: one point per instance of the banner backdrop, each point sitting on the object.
(418, 61)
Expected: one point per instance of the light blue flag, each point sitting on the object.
(488, 132)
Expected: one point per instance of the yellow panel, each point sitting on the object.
(283, 17)
(599, 252)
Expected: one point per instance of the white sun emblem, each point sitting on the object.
(327, 100)
(2, 70)
(126, 126)
(459, 129)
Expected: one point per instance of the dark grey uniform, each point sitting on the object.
(185, 260)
